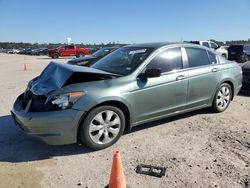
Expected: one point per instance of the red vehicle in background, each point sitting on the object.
(67, 50)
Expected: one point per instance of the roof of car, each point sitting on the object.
(153, 45)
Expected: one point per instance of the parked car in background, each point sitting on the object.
(91, 59)
(239, 53)
(68, 50)
(133, 85)
(26, 51)
(40, 51)
(21, 51)
(13, 51)
(246, 76)
(212, 45)
(92, 50)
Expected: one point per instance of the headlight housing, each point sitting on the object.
(66, 100)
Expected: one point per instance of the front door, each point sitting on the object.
(156, 97)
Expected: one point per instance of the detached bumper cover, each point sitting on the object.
(53, 127)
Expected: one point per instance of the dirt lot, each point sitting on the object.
(199, 149)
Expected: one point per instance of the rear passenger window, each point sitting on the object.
(212, 57)
(197, 57)
(205, 44)
(168, 60)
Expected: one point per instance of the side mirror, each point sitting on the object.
(152, 73)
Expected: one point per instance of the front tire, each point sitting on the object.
(222, 98)
(81, 55)
(102, 127)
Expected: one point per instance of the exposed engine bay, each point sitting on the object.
(56, 76)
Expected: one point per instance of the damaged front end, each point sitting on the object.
(40, 103)
(35, 103)
(46, 92)
(46, 109)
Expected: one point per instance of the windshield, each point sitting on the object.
(101, 52)
(124, 60)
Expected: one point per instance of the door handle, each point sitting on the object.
(215, 70)
(180, 77)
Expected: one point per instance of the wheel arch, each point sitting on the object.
(231, 85)
(227, 81)
(115, 103)
(56, 53)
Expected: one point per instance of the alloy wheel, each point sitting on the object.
(223, 98)
(104, 127)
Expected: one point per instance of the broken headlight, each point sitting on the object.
(66, 100)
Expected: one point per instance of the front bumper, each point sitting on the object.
(53, 127)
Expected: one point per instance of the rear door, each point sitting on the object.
(204, 76)
(159, 96)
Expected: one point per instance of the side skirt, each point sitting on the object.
(169, 115)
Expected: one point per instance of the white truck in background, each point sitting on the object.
(212, 45)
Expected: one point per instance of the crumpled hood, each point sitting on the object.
(56, 75)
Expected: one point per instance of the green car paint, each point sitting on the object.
(142, 99)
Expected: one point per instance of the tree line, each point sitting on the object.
(232, 42)
(23, 45)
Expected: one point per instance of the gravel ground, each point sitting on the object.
(199, 149)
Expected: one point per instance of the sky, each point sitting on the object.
(124, 21)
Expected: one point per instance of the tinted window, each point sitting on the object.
(69, 47)
(206, 44)
(247, 49)
(213, 45)
(197, 57)
(195, 42)
(212, 57)
(235, 48)
(167, 60)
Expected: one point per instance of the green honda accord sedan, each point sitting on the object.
(133, 85)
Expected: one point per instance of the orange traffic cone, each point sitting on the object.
(117, 179)
(25, 68)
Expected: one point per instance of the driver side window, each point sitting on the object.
(166, 61)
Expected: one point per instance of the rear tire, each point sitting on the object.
(102, 127)
(222, 98)
(55, 56)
